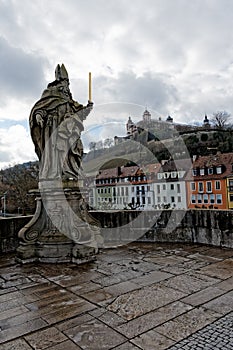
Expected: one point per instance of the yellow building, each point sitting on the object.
(230, 191)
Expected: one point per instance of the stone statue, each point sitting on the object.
(62, 229)
(56, 122)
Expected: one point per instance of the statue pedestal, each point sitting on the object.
(61, 229)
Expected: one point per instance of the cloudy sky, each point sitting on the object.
(173, 56)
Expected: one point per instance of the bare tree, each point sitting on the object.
(221, 119)
(16, 182)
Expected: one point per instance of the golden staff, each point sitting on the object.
(90, 97)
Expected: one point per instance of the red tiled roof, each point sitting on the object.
(212, 161)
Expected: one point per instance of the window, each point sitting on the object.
(218, 198)
(231, 197)
(194, 172)
(158, 188)
(126, 191)
(179, 199)
(217, 185)
(149, 200)
(165, 199)
(109, 190)
(172, 187)
(178, 188)
(205, 198)
(98, 190)
(200, 187)
(219, 169)
(193, 199)
(174, 174)
(122, 191)
(148, 188)
(210, 171)
(199, 198)
(159, 199)
(202, 171)
(132, 189)
(164, 187)
(192, 186)
(209, 186)
(212, 198)
(173, 199)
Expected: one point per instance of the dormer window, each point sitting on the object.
(202, 171)
(194, 172)
(210, 171)
(219, 169)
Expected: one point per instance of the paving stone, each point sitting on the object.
(7, 290)
(121, 288)
(76, 321)
(13, 312)
(222, 304)
(226, 285)
(38, 287)
(98, 296)
(166, 260)
(18, 344)
(189, 283)
(95, 335)
(45, 338)
(152, 340)
(152, 277)
(111, 319)
(84, 288)
(188, 323)
(152, 319)
(127, 346)
(138, 302)
(221, 270)
(20, 330)
(10, 296)
(203, 296)
(15, 319)
(67, 310)
(66, 345)
(185, 267)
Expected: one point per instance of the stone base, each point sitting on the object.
(61, 230)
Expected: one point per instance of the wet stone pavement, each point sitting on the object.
(140, 296)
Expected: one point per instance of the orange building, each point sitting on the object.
(207, 182)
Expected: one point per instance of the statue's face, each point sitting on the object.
(64, 88)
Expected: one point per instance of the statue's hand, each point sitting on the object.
(39, 120)
(90, 104)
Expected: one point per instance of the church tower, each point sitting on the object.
(146, 117)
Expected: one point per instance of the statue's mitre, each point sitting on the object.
(61, 72)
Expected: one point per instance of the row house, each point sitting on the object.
(205, 182)
(124, 188)
(170, 184)
(210, 182)
(152, 186)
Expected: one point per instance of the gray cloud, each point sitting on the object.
(22, 73)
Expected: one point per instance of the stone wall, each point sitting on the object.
(9, 228)
(213, 227)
